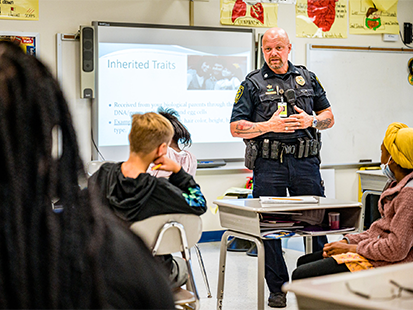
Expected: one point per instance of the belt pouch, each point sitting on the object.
(299, 153)
(265, 150)
(275, 148)
(314, 148)
(306, 147)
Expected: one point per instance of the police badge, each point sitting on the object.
(300, 80)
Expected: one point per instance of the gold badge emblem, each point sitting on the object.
(300, 80)
(239, 93)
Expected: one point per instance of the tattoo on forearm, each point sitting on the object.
(244, 127)
(324, 124)
(247, 133)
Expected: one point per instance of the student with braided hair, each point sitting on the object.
(80, 257)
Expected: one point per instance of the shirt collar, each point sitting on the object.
(268, 73)
(397, 187)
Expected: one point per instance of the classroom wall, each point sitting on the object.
(65, 16)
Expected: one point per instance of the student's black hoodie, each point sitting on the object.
(137, 199)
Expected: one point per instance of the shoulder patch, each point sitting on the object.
(239, 93)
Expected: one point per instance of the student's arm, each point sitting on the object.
(394, 244)
(338, 247)
(190, 191)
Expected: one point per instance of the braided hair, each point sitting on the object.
(181, 134)
(48, 259)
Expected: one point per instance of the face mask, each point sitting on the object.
(386, 170)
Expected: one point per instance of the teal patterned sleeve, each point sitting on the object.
(194, 197)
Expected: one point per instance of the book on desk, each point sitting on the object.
(315, 230)
(267, 201)
(274, 223)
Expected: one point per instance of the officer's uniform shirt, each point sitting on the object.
(248, 98)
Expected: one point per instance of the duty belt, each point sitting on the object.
(274, 149)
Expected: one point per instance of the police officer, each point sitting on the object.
(278, 110)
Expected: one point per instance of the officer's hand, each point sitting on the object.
(282, 124)
(303, 118)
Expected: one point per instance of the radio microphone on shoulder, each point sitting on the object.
(290, 96)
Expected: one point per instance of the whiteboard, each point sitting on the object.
(368, 90)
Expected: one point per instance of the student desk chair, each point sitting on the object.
(171, 233)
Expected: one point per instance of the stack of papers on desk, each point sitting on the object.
(271, 200)
(270, 227)
(276, 224)
(319, 231)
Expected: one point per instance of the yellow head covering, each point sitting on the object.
(398, 141)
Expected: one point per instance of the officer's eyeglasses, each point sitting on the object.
(384, 291)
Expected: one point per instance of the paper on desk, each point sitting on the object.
(271, 200)
(319, 231)
(277, 224)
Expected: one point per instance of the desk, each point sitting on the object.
(242, 219)
(373, 180)
(330, 292)
(372, 183)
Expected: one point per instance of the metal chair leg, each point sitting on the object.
(203, 271)
(221, 271)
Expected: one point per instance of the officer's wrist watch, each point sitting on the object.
(314, 124)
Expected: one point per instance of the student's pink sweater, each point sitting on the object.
(389, 240)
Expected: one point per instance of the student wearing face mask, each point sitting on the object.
(389, 240)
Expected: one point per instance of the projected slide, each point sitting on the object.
(138, 78)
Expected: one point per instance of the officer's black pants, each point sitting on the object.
(272, 178)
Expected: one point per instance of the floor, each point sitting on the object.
(240, 286)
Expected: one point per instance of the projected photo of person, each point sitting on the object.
(215, 72)
(231, 77)
(198, 72)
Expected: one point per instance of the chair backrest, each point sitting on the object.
(150, 229)
(94, 165)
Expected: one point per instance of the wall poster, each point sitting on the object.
(248, 13)
(27, 41)
(373, 16)
(19, 9)
(321, 19)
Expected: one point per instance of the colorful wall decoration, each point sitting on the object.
(248, 13)
(321, 19)
(19, 9)
(27, 42)
(373, 16)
